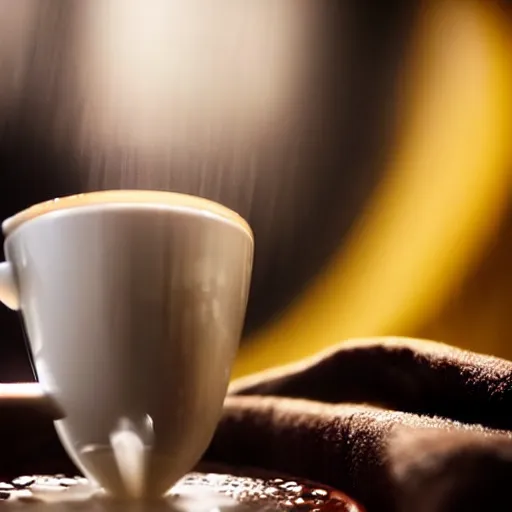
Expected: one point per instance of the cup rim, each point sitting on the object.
(125, 197)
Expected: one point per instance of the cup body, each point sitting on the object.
(134, 313)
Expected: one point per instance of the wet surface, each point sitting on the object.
(195, 492)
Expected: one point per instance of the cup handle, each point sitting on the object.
(8, 289)
(22, 394)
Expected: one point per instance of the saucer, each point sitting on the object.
(196, 492)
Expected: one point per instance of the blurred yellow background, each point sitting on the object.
(446, 192)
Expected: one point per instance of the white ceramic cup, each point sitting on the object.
(133, 302)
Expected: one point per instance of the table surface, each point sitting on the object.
(196, 492)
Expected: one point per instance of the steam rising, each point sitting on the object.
(184, 93)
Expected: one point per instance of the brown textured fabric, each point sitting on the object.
(399, 424)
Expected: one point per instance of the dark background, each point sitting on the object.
(301, 190)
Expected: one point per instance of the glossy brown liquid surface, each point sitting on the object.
(212, 489)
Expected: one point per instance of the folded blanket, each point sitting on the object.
(400, 425)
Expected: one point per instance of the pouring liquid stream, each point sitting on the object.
(130, 456)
